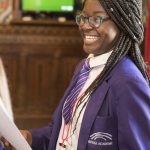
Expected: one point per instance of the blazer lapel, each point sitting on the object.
(91, 111)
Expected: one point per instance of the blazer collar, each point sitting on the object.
(95, 102)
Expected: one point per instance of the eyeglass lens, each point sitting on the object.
(93, 21)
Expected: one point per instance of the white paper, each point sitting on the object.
(10, 132)
(4, 91)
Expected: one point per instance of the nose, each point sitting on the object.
(86, 26)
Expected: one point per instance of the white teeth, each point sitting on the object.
(91, 37)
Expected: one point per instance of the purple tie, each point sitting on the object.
(70, 101)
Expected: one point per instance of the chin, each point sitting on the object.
(87, 49)
(92, 50)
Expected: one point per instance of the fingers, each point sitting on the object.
(1, 144)
(27, 135)
(6, 144)
(24, 133)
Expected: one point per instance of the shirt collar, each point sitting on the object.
(99, 60)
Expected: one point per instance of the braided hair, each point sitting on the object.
(130, 12)
(127, 15)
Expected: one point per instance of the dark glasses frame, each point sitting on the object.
(94, 21)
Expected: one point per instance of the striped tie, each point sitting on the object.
(70, 101)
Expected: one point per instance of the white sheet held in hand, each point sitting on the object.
(10, 132)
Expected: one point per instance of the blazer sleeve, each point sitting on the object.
(40, 137)
(133, 114)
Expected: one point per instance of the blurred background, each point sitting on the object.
(40, 46)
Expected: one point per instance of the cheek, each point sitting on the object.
(104, 36)
(110, 30)
(113, 31)
(112, 34)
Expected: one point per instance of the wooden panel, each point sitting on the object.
(66, 70)
(42, 76)
(11, 64)
(39, 62)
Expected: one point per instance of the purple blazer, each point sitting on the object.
(117, 116)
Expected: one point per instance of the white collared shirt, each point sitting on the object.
(97, 64)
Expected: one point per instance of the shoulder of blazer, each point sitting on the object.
(125, 68)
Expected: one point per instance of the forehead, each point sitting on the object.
(93, 6)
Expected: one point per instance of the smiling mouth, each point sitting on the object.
(90, 39)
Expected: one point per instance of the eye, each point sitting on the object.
(101, 18)
(94, 21)
(80, 19)
(97, 19)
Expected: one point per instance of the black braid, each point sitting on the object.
(132, 30)
(84, 105)
(131, 23)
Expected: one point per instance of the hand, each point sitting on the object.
(5, 144)
(27, 135)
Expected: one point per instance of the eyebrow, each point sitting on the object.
(95, 12)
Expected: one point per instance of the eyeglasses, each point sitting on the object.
(93, 21)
